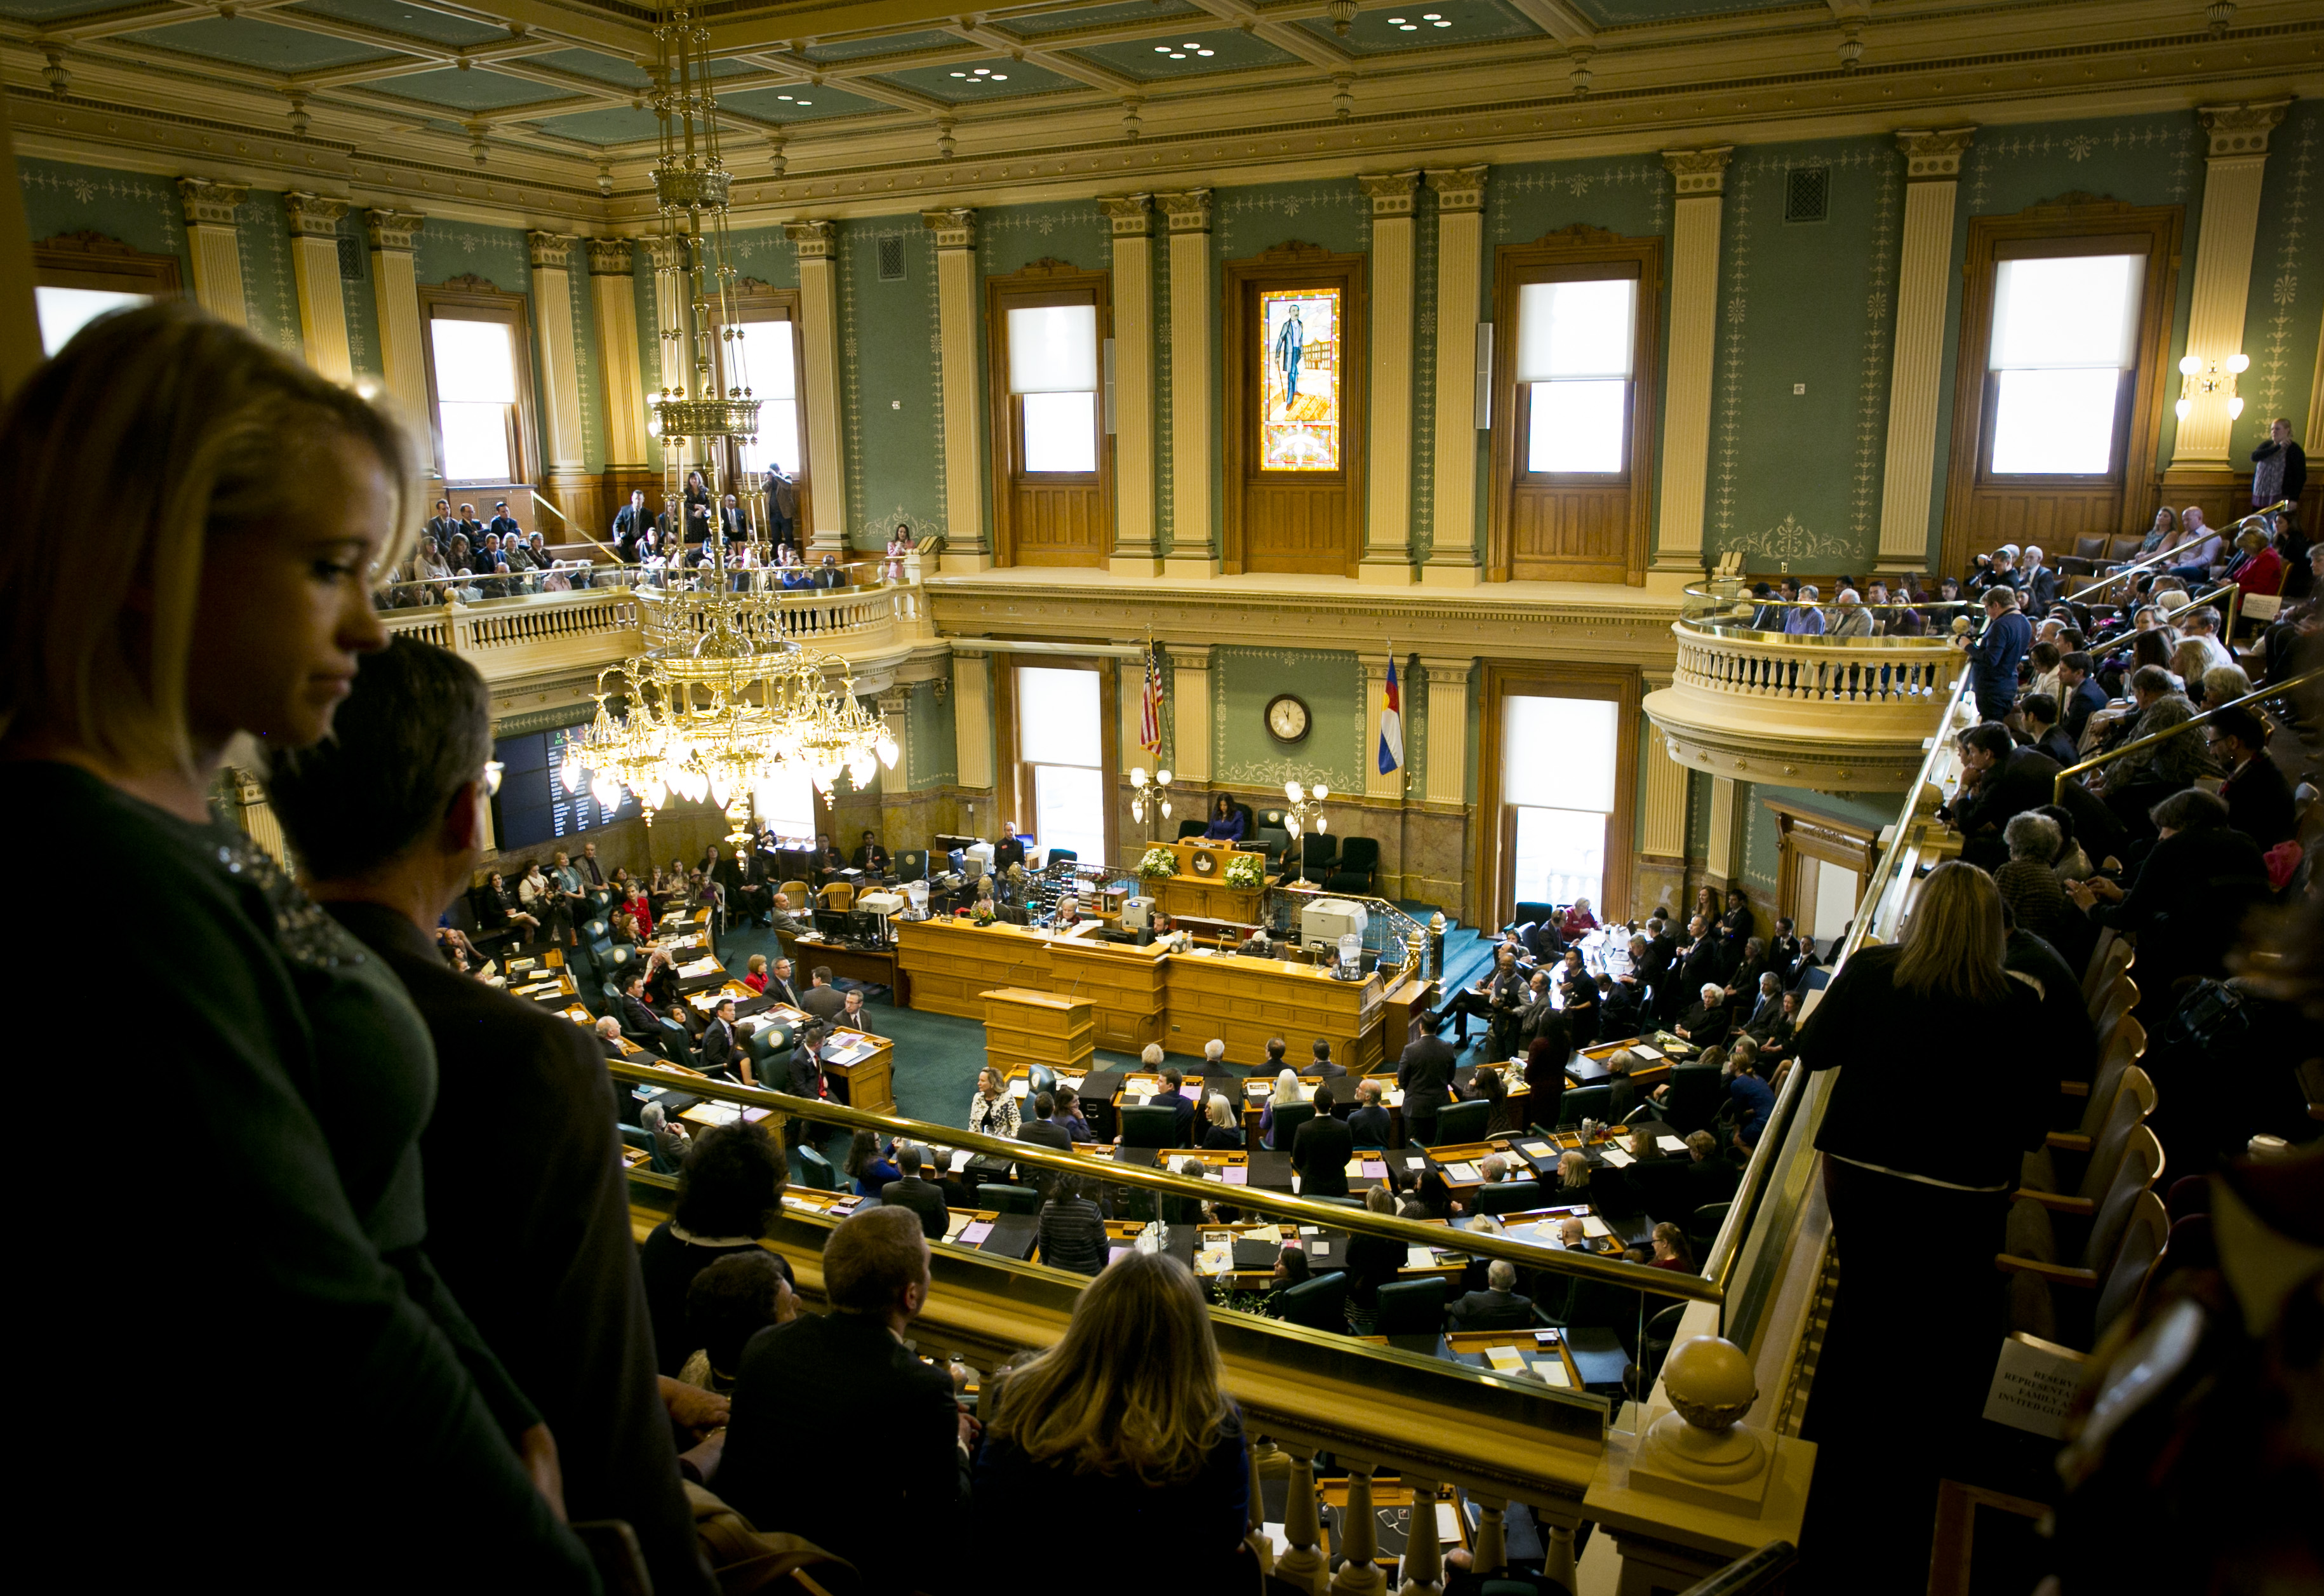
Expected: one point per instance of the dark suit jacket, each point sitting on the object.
(1326, 1070)
(2259, 802)
(1043, 1133)
(638, 1016)
(2057, 745)
(2075, 711)
(2021, 780)
(1184, 1107)
(783, 991)
(1320, 1153)
(721, 1048)
(1426, 1074)
(921, 1198)
(890, 1482)
(534, 1242)
(1705, 1024)
(1491, 1310)
(1007, 851)
(1370, 1127)
(1764, 1015)
(824, 1002)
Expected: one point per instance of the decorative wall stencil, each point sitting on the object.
(1166, 503)
(142, 212)
(1521, 201)
(1243, 681)
(360, 304)
(1763, 846)
(1727, 434)
(2144, 159)
(1788, 543)
(1872, 393)
(1335, 214)
(1010, 238)
(931, 750)
(270, 296)
(1423, 392)
(891, 379)
(2281, 323)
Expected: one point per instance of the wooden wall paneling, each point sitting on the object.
(94, 259)
(1045, 518)
(1574, 528)
(1800, 834)
(1308, 521)
(1977, 506)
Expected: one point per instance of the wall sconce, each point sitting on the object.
(1139, 796)
(2197, 378)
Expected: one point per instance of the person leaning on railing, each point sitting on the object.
(248, 500)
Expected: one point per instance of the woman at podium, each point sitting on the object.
(1226, 821)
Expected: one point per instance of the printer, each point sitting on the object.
(1324, 920)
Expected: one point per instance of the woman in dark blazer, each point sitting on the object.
(1372, 1263)
(1226, 821)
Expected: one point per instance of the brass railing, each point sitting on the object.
(2272, 690)
(2160, 555)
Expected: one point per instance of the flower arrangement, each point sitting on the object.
(1159, 864)
(1247, 871)
(982, 914)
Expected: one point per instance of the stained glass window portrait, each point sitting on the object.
(1301, 406)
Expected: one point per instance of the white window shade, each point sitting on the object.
(1057, 720)
(1569, 330)
(773, 370)
(1053, 349)
(474, 361)
(787, 803)
(64, 312)
(2066, 311)
(1061, 432)
(1558, 752)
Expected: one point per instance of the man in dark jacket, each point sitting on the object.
(2259, 799)
(1999, 648)
(1368, 1125)
(1498, 1307)
(1424, 1073)
(2010, 780)
(1321, 1150)
(2083, 695)
(920, 1196)
(533, 1241)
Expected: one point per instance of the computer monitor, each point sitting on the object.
(862, 926)
(831, 924)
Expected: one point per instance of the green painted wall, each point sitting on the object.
(141, 211)
(891, 390)
(930, 751)
(2282, 324)
(362, 303)
(1244, 681)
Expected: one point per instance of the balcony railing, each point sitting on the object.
(1889, 670)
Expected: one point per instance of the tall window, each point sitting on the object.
(2063, 358)
(787, 803)
(64, 312)
(774, 375)
(476, 399)
(1053, 377)
(1061, 742)
(1574, 343)
(1557, 789)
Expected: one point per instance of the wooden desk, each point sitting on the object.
(873, 967)
(1536, 1355)
(1024, 1027)
(1199, 892)
(870, 1081)
(1246, 1001)
(1393, 1506)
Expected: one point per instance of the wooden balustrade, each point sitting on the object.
(1889, 671)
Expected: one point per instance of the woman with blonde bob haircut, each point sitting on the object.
(225, 597)
(1124, 1423)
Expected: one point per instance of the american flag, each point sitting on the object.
(1150, 719)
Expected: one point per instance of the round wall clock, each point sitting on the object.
(1287, 718)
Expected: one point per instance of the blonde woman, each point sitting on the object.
(1573, 1178)
(1286, 1093)
(1224, 1132)
(248, 502)
(993, 1109)
(1124, 1422)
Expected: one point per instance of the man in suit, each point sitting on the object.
(722, 1050)
(890, 1483)
(779, 984)
(534, 1242)
(503, 524)
(633, 528)
(587, 865)
(917, 1193)
(2040, 712)
(1425, 1074)
(1321, 1150)
(828, 573)
(2259, 799)
(871, 858)
(2039, 585)
(609, 1042)
(1999, 651)
(731, 525)
(1711, 1177)
(1174, 1099)
(2010, 780)
(1697, 966)
(1497, 1307)
(1010, 850)
(1768, 1009)
(637, 1014)
(2078, 677)
(1368, 1125)
(1324, 1066)
(443, 525)
(820, 999)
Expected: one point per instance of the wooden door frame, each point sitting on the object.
(476, 293)
(1291, 265)
(2083, 219)
(756, 301)
(1804, 833)
(97, 260)
(1554, 257)
(1047, 281)
(1491, 851)
(1011, 777)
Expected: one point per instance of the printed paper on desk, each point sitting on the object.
(1645, 1051)
(1592, 1225)
(976, 1232)
(1535, 1149)
(960, 1157)
(1504, 1360)
(1235, 1174)
(1419, 1258)
(1462, 1172)
(1617, 1158)
(1373, 1168)
(1552, 1372)
(1671, 1144)
(1448, 1524)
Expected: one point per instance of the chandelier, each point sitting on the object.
(722, 702)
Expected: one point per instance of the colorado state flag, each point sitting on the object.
(1391, 727)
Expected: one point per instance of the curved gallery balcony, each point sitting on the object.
(1801, 708)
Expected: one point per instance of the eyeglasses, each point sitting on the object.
(492, 768)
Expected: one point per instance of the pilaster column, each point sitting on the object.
(395, 293)
(315, 268)
(1460, 278)
(966, 546)
(560, 361)
(1304, 1564)
(1189, 711)
(613, 290)
(1730, 821)
(217, 245)
(972, 717)
(818, 257)
(1933, 160)
(1135, 552)
(1388, 475)
(1422, 1572)
(1700, 178)
(1194, 539)
(1448, 730)
(1359, 1572)
(1377, 786)
(1660, 878)
(2224, 240)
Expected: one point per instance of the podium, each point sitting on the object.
(1029, 1027)
(1199, 891)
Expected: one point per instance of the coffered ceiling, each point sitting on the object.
(549, 99)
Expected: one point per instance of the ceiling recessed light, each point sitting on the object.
(999, 77)
(1161, 49)
(960, 74)
(1445, 24)
(1407, 27)
(1178, 55)
(1190, 44)
(1206, 52)
(802, 102)
(1430, 16)
(1395, 19)
(782, 97)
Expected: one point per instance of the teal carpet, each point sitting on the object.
(937, 1055)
